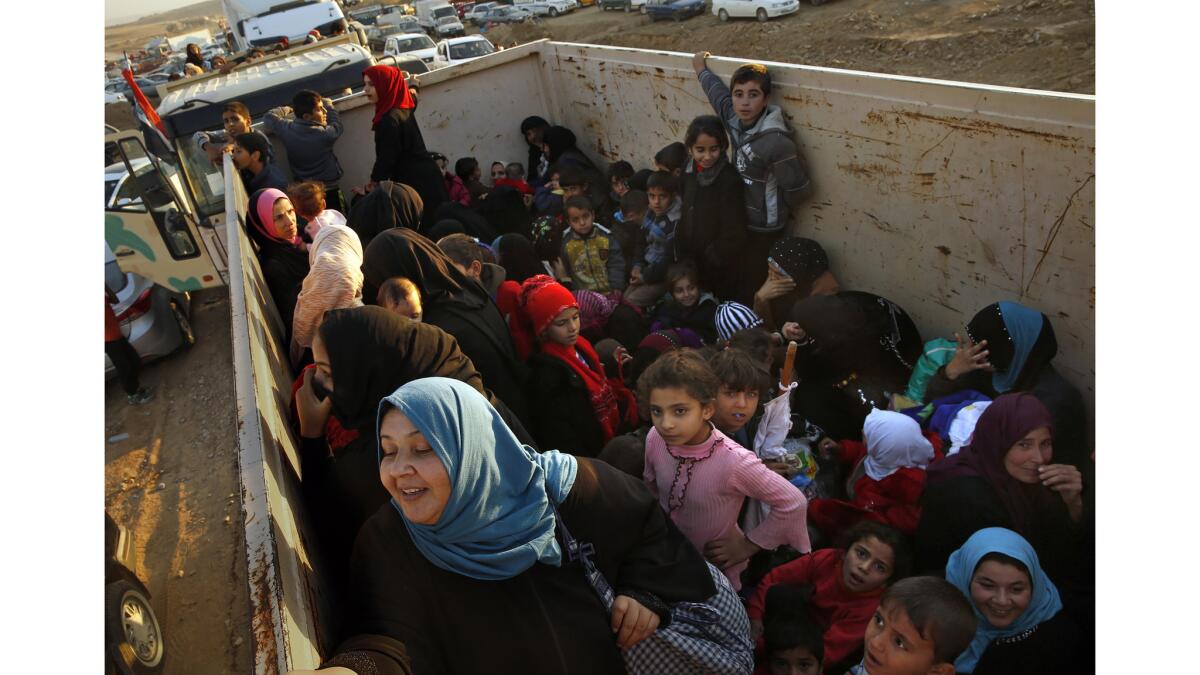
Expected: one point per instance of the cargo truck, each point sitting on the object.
(945, 196)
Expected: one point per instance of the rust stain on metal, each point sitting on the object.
(944, 250)
(262, 622)
(1054, 230)
(868, 170)
(984, 126)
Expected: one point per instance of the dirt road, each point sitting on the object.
(1038, 44)
(174, 483)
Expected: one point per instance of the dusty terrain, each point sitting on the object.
(173, 481)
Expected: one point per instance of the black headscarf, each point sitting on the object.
(445, 227)
(533, 122)
(401, 252)
(560, 140)
(514, 252)
(535, 149)
(389, 205)
(469, 220)
(373, 351)
(505, 211)
(989, 325)
(801, 259)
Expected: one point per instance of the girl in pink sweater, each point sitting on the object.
(702, 477)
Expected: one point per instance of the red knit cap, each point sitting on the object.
(542, 300)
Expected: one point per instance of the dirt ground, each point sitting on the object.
(174, 483)
(1037, 44)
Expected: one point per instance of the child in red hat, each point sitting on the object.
(577, 408)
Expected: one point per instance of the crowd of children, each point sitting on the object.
(663, 321)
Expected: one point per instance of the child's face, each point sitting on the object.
(564, 330)
(706, 151)
(409, 307)
(441, 164)
(1000, 592)
(794, 661)
(234, 123)
(686, 292)
(477, 173)
(893, 646)
(868, 565)
(580, 221)
(498, 173)
(574, 191)
(735, 407)
(680, 418)
(619, 186)
(242, 158)
(660, 200)
(748, 101)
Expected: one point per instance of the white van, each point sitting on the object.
(462, 50)
(263, 22)
(415, 45)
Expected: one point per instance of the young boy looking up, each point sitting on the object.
(400, 295)
(251, 158)
(647, 280)
(591, 256)
(235, 120)
(763, 152)
(309, 129)
(744, 380)
(920, 628)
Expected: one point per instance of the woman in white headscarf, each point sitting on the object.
(887, 483)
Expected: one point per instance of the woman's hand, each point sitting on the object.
(775, 288)
(632, 621)
(1068, 483)
(313, 413)
(730, 551)
(792, 331)
(560, 270)
(828, 449)
(698, 61)
(622, 355)
(968, 357)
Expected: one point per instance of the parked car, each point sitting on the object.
(551, 8)
(133, 638)
(378, 34)
(449, 26)
(760, 9)
(461, 50)
(474, 14)
(462, 8)
(502, 14)
(417, 45)
(114, 97)
(154, 319)
(627, 5)
(673, 9)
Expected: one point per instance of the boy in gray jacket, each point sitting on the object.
(765, 156)
(309, 130)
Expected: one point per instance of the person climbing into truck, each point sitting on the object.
(764, 153)
(235, 120)
(400, 153)
(309, 129)
(258, 171)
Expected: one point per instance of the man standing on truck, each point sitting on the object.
(308, 129)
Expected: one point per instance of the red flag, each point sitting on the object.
(147, 110)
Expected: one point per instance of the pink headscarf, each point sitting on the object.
(265, 209)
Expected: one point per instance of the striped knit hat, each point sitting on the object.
(734, 316)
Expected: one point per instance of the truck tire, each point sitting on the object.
(132, 635)
(723, 15)
(762, 15)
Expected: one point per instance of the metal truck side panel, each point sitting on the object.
(284, 593)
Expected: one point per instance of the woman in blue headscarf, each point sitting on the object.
(463, 566)
(1009, 347)
(1022, 628)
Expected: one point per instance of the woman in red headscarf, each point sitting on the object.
(400, 153)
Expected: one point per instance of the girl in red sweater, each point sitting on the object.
(888, 479)
(846, 584)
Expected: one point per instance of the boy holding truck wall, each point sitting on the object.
(763, 152)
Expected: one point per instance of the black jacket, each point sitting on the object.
(561, 411)
(400, 155)
(712, 230)
(544, 620)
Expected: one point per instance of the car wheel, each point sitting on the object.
(762, 15)
(185, 326)
(553, 12)
(723, 15)
(131, 631)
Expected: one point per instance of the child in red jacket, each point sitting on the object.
(888, 480)
(846, 584)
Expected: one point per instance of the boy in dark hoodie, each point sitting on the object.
(764, 153)
(648, 277)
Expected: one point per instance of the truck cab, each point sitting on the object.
(258, 23)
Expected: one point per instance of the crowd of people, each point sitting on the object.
(543, 410)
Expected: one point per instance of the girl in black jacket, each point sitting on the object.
(400, 153)
(712, 228)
